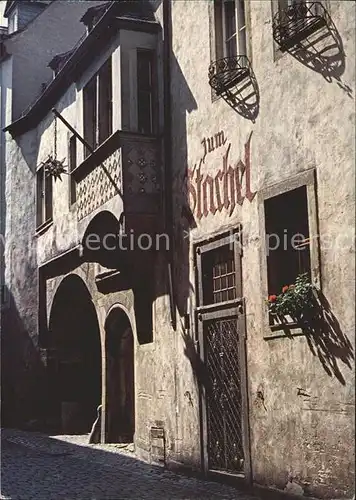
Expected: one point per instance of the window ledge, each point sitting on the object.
(148, 346)
(286, 330)
(44, 227)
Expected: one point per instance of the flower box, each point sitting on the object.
(296, 304)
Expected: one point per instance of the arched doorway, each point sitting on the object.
(75, 367)
(120, 384)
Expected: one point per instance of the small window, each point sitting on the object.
(219, 270)
(145, 91)
(287, 238)
(44, 197)
(97, 105)
(72, 165)
(230, 28)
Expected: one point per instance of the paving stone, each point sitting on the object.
(39, 467)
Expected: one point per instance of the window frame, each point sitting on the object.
(309, 180)
(201, 248)
(44, 198)
(218, 29)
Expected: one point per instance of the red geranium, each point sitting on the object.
(285, 288)
(272, 298)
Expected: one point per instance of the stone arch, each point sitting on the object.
(57, 280)
(100, 241)
(120, 376)
(74, 369)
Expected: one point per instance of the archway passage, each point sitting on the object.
(120, 384)
(75, 367)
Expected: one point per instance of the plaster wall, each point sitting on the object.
(5, 116)
(297, 128)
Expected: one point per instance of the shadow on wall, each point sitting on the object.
(234, 80)
(245, 99)
(327, 341)
(22, 372)
(324, 53)
(325, 337)
(183, 218)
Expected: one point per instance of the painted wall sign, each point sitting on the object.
(224, 190)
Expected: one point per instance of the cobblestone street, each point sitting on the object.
(38, 467)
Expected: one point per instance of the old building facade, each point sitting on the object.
(187, 162)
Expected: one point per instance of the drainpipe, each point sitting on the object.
(168, 178)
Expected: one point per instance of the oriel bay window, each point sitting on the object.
(44, 197)
(97, 105)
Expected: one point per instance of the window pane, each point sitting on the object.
(231, 48)
(48, 197)
(230, 29)
(72, 166)
(241, 26)
(145, 91)
(105, 102)
(145, 112)
(90, 99)
(40, 196)
(144, 70)
(230, 19)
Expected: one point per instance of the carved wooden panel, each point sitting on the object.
(142, 168)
